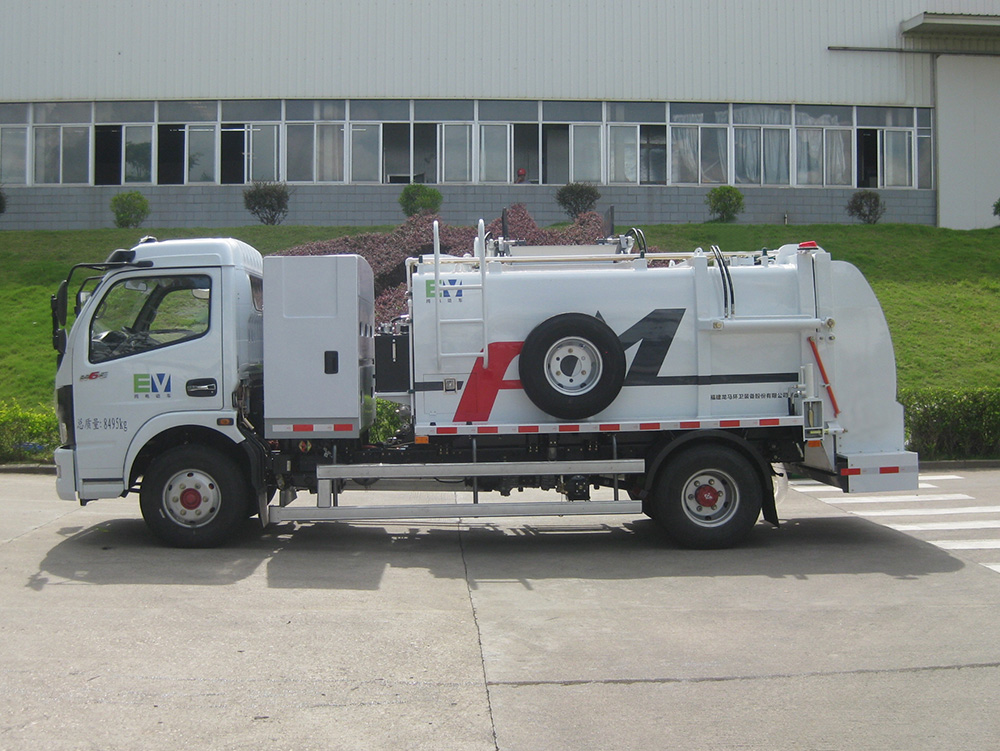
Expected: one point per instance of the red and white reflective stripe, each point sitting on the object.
(311, 427)
(888, 470)
(614, 427)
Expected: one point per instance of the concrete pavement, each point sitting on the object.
(832, 632)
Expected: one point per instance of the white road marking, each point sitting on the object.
(966, 544)
(943, 526)
(898, 498)
(930, 511)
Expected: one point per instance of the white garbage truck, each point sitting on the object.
(219, 384)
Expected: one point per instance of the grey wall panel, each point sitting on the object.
(771, 50)
(328, 205)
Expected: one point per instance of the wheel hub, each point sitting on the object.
(573, 366)
(706, 495)
(710, 498)
(191, 498)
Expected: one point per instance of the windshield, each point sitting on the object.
(144, 313)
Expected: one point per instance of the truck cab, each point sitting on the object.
(147, 359)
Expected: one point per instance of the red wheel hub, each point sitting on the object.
(706, 495)
(190, 499)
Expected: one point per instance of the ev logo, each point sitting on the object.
(151, 385)
(446, 294)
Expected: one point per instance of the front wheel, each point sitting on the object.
(707, 497)
(193, 497)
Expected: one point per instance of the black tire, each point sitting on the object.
(596, 363)
(707, 496)
(193, 497)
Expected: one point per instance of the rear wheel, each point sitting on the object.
(707, 497)
(193, 497)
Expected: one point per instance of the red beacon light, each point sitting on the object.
(809, 245)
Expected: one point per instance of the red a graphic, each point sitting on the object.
(484, 384)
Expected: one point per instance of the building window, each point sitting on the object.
(138, 153)
(526, 153)
(555, 154)
(201, 154)
(925, 154)
(586, 153)
(330, 152)
(365, 150)
(885, 138)
(185, 153)
(653, 154)
(465, 141)
(823, 148)
(396, 152)
(494, 153)
(623, 154)
(457, 153)
(700, 153)
(425, 153)
(123, 153)
(62, 154)
(761, 142)
(13, 155)
(248, 152)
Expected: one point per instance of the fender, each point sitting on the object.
(768, 507)
(162, 423)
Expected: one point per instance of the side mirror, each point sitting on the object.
(59, 303)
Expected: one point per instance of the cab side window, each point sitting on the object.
(146, 313)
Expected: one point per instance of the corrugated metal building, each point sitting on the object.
(796, 102)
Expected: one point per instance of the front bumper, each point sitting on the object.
(65, 459)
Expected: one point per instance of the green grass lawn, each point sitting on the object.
(940, 289)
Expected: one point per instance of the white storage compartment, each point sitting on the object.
(319, 371)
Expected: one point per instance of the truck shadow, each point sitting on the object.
(355, 556)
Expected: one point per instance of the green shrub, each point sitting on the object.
(3, 201)
(417, 198)
(267, 201)
(387, 421)
(577, 198)
(946, 423)
(996, 207)
(724, 203)
(867, 206)
(27, 435)
(130, 209)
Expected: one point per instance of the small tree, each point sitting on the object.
(866, 206)
(577, 198)
(130, 209)
(724, 203)
(417, 198)
(996, 208)
(267, 201)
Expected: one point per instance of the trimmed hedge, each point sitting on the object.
(27, 435)
(952, 423)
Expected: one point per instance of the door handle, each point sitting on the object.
(201, 387)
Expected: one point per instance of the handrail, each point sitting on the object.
(608, 258)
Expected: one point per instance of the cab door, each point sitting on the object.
(153, 346)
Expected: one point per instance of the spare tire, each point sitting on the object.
(572, 366)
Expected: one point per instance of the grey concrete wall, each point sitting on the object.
(222, 206)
